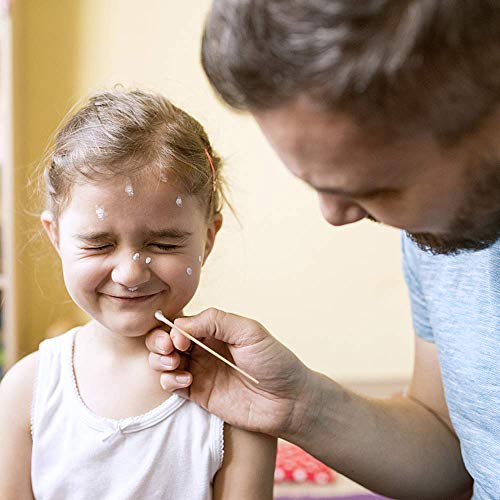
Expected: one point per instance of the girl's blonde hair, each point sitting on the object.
(123, 132)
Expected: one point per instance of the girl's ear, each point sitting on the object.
(50, 225)
(212, 229)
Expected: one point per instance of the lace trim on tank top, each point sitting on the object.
(110, 428)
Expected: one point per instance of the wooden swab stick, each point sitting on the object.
(159, 316)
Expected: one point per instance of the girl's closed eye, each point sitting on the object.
(97, 248)
(164, 247)
(100, 247)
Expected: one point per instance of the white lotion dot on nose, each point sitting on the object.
(189, 271)
(133, 288)
(136, 256)
(129, 189)
(148, 260)
(101, 214)
(178, 201)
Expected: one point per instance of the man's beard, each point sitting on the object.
(448, 245)
(477, 225)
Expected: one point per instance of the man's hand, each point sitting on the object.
(273, 406)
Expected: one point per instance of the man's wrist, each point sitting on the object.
(317, 399)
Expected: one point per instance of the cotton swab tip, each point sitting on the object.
(159, 316)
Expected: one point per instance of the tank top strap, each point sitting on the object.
(52, 377)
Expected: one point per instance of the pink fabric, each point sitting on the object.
(295, 465)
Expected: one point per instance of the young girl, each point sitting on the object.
(133, 209)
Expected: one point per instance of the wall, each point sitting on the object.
(44, 63)
(334, 295)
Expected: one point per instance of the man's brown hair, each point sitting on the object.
(406, 65)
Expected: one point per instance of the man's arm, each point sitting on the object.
(402, 447)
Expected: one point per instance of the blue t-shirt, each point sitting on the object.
(456, 304)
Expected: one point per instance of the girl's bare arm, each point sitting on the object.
(247, 472)
(16, 392)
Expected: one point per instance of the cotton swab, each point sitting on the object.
(159, 316)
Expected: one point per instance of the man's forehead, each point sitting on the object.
(316, 143)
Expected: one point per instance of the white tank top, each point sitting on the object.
(169, 453)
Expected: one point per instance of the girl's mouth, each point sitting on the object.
(138, 299)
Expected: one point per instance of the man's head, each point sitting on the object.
(388, 109)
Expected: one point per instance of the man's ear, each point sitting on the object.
(50, 225)
(212, 229)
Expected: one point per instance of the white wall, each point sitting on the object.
(334, 295)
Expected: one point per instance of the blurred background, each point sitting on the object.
(335, 296)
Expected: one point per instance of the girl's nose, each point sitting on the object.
(339, 211)
(129, 272)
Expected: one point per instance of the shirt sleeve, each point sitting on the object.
(411, 271)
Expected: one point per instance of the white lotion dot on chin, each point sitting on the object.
(100, 212)
(136, 256)
(178, 201)
(189, 271)
(148, 260)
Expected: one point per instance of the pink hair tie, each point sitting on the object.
(214, 177)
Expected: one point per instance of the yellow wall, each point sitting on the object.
(45, 74)
(335, 296)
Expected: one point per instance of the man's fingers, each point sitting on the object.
(180, 342)
(159, 341)
(223, 326)
(172, 381)
(160, 362)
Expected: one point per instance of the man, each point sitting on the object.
(391, 111)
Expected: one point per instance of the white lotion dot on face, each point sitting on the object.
(200, 258)
(189, 271)
(148, 260)
(163, 177)
(136, 256)
(129, 189)
(101, 214)
(133, 288)
(178, 201)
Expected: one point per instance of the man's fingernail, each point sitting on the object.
(166, 361)
(161, 343)
(182, 379)
(163, 382)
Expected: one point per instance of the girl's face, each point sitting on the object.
(129, 248)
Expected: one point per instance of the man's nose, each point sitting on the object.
(131, 270)
(339, 211)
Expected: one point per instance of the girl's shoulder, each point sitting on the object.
(16, 388)
(18, 385)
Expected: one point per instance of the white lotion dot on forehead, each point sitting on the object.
(178, 201)
(100, 212)
(163, 176)
(129, 189)
(136, 256)
(189, 271)
(148, 260)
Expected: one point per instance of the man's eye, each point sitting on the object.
(163, 247)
